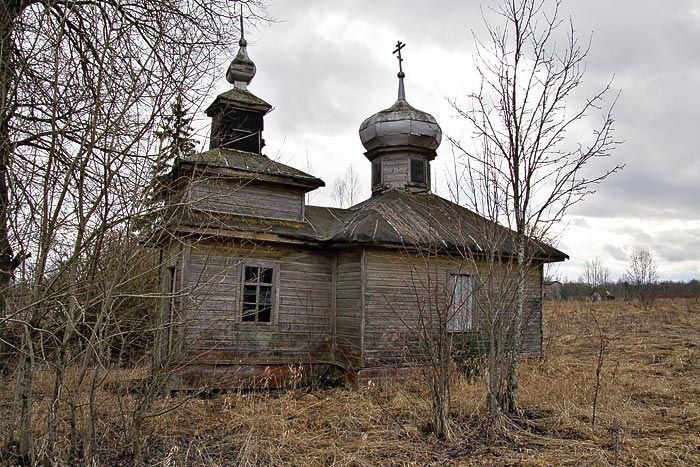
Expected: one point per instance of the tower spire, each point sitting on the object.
(242, 69)
(401, 75)
(242, 42)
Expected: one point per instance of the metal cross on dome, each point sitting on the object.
(399, 45)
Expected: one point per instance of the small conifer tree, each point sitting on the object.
(176, 139)
(176, 143)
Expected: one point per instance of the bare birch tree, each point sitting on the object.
(595, 274)
(346, 189)
(522, 116)
(475, 186)
(641, 273)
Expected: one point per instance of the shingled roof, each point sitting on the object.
(252, 163)
(398, 217)
(317, 227)
(241, 98)
(393, 219)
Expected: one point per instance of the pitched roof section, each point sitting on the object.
(239, 98)
(394, 218)
(319, 224)
(426, 220)
(255, 165)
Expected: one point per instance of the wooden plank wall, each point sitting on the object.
(398, 291)
(303, 327)
(232, 197)
(532, 314)
(395, 170)
(401, 287)
(348, 303)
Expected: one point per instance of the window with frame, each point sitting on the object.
(417, 171)
(461, 312)
(258, 293)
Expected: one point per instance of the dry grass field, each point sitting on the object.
(648, 410)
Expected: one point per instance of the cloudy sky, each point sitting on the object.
(327, 65)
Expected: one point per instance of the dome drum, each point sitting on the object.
(400, 141)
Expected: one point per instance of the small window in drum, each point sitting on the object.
(417, 171)
(376, 173)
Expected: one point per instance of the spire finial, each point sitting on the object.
(242, 42)
(242, 69)
(401, 75)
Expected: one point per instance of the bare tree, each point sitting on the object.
(346, 189)
(429, 332)
(641, 274)
(595, 274)
(67, 66)
(433, 321)
(83, 88)
(530, 68)
(498, 283)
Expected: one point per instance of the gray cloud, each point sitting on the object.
(323, 86)
(616, 252)
(678, 245)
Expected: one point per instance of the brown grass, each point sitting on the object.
(650, 388)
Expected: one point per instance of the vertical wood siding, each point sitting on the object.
(348, 303)
(401, 288)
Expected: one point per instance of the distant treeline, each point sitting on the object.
(625, 291)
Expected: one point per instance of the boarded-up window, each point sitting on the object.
(258, 287)
(461, 312)
(417, 171)
(376, 173)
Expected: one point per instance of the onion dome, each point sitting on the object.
(401, 142)
(400, 125)
(242, 69)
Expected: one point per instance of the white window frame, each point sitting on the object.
(274, 293)
(460, 316)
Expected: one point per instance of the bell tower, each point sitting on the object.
(237, 114)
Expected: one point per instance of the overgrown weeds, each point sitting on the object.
(647, 408)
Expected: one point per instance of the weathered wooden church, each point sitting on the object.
(264, 286)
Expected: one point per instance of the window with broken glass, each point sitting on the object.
(258, 296)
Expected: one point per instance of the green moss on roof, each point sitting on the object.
(392, 218)
(250, 162)
(243, 97)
